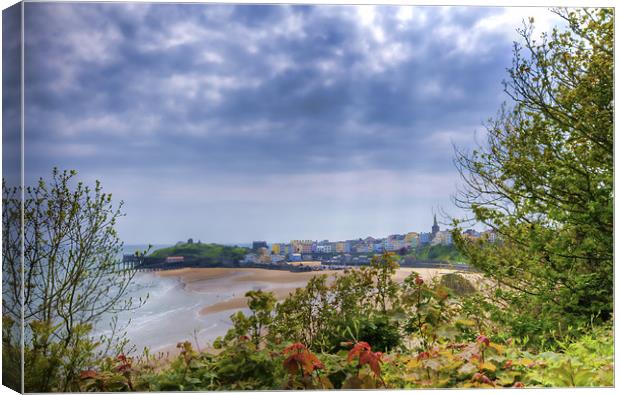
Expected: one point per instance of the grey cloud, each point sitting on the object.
(190, 90)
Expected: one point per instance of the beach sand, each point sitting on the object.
(193, 277)
(281, 283)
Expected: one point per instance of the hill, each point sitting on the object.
(208, 253)
(439, 253)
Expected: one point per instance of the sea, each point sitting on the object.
(170, 313)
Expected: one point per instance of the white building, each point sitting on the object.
(324, 248)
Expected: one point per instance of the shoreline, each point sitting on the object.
(281, 283)
(203, 300)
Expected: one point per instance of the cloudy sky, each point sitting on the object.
(233, 124)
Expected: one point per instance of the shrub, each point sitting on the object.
(457, 284)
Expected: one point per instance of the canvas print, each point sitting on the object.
(229, 197)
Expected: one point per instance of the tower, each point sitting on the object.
(435, 227)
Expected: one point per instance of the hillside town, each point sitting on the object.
(352, 252)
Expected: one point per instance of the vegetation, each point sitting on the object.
(457, 284)
(207, 253)
(540, 314)
(544, 183)
(72, 276)
(428, 336)
(438, 252)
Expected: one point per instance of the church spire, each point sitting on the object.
(435, 228)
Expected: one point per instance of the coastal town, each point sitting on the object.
(413, 249)
(327, 253)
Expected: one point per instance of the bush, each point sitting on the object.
(381, 331)
(457, 284)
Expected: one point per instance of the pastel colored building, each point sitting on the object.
(302, 246)
(425, 238)
(442, 237)
(343, 247)
(364, 248)
(412, 239)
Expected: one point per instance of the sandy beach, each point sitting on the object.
(196, 304)
(281, 283)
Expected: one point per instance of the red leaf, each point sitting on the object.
(423, 355)
(301, 358)
(357, 349)
(291, 364)
(294, 347)
(483, 339)
(373, 359)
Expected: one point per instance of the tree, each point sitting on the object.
(72, 274)
(261, 305)
(544, 180)
(384, 267)
(11, 288)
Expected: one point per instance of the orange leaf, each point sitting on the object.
(294, 347)
(357, 349)
(88, 374)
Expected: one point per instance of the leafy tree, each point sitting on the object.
(261, 305)
(11, 288)
(72, 275)
(306, 316)
(544, 180)
(355, 304)
(383, 268)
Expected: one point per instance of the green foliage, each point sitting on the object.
(261, 305)
(11, 353)
(307, 316)
(322, 315)
(429, 310)
(209, 253)
(443, 347)
(458, 284)
(485, 364)
(380, 330)
(72, 277)
(586, 362)
(438, 252)
(239, 366)
(383, 269)
(544, 182)
(457, 358)
(539, 317)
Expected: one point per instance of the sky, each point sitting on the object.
(237, 123)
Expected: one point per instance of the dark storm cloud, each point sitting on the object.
(167, 94)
